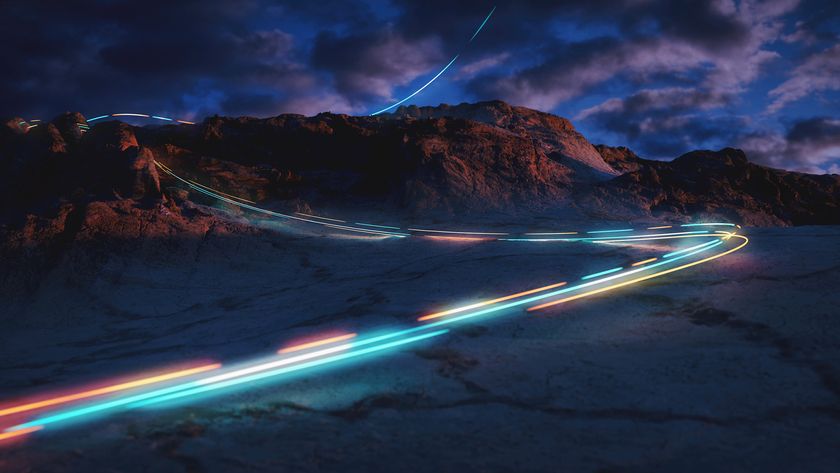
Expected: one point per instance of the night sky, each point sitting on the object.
(660, 77)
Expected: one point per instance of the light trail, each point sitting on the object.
(107, 389)
(675, 253)
(317, 343)
(601, 273)
(490, 302)
(246, 375)
(482, 24)
(644, 278)
(396, 104)
(378, 226)
(307, 355)
(322, 218)
(714, 224)
(138, 115)
(250, 374)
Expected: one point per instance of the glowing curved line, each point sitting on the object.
(482, 24)
(439, 73)
(599, 282)
(418, 90)
(107, 389)
(644, 278)
(333, 354)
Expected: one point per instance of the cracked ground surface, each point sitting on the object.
(732, 366)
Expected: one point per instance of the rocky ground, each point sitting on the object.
(730, 366)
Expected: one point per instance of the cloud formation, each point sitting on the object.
(811, 145)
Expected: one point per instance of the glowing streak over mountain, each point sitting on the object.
(396, 104)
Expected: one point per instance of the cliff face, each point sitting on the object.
(425, 161)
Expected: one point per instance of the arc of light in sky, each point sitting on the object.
(439, 73)
(482, 24)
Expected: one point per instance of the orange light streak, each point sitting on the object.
(107, 389)
(185, 122)
(492, 301)
(18, 433)
(639, 263)
(660, 228)
(643, 278)
(317, 343)
(456, 238)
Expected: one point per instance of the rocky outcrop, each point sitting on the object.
(719, 184)
(451, 165)
(554, 135)
(447, 161)
(123, 166)
(620, 158)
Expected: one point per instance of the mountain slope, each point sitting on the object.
(422, 162)
(715, 184)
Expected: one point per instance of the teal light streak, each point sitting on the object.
(377, 226)
(162, 118)
(616, 238)
(96, 408)
(289, 369)
(195, 387)
(418, 90)
(441, 71)
(714, 224)
(595, 275)
(675, 253)
(565, 290)
(482, 24)
(98, 118)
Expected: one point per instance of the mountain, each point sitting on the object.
(421, 162)
(553, 135)
(714, 184)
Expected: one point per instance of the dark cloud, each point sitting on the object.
(664, 123)
(366, 67)
(819, 72)
(809, 145)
